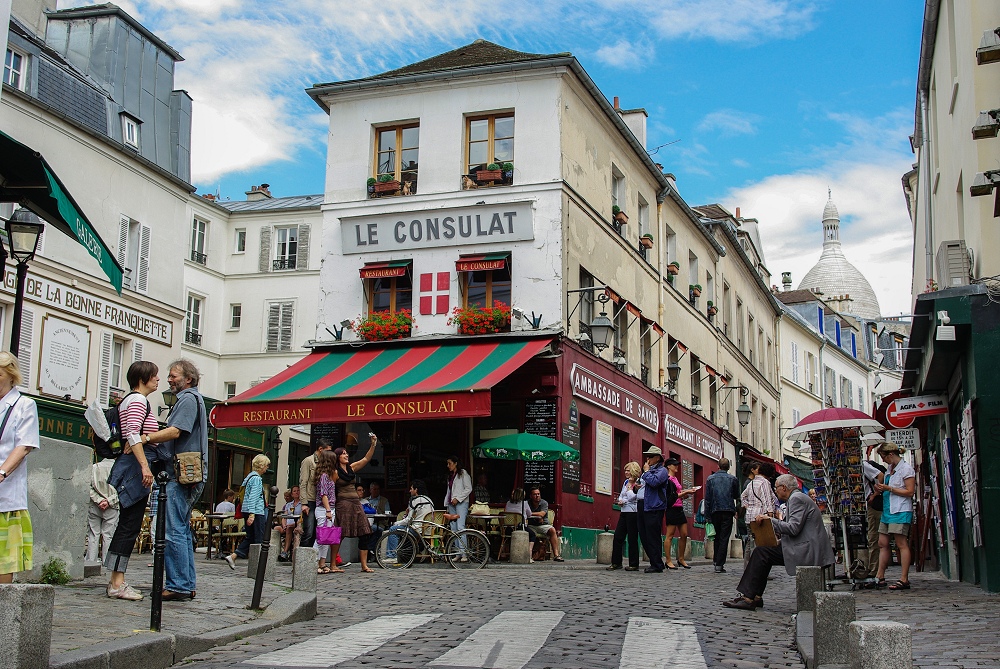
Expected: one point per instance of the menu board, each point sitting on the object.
(571, 436)
(397, 472)
(539, 473)
(571, 477)
(687, 480)
(332, 432)
(540, 417)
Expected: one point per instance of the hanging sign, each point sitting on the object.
(901, 412)
(593, 388)
(908, 438)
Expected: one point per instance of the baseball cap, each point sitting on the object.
(671, 461)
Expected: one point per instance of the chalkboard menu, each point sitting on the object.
(397, 472)
(687, 480)
(571, 436)
(539, 473)
(332, 432)
(571, 477)
(540, 417)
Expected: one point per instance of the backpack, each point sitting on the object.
(671, 494)
(114, 446)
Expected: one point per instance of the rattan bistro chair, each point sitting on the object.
(508, 523)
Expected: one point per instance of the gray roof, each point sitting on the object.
(274, 203)
(109, 9)
(477, 53)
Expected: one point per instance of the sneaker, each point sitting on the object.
(125, 591)
(344, 564)
(614, 567)
(631, 569)
(230, 561)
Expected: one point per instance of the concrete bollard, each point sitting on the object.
(808, 580)
(736, 549)
(304, 569)
(605, 542)
(272, 558)
(834, 613)
(25, 625)
(710, 549)
(879, 644)
(520, 547)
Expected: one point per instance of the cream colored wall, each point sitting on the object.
(795, 395)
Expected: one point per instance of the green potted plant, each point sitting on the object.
(371, 185)
(695, 290)
(674, 268)
(670, 278)
(481, 320)
(620, 217)
(508, 172)
(386, 184)
(383, 326)
(646, 240)
(712, 310)
(491, 173)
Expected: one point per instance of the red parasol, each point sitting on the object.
(828, 419)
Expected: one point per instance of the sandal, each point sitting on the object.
(368, 570)
(558, 558)
(323, 570)
(900, 585)
(880, 584)
(335, 570)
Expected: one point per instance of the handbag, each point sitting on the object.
(479, 509)
(187, 465)
(328, 535)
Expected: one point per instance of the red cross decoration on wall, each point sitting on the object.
(435, 297)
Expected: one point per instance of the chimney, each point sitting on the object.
(257, 193)
(616, 103)
(209, 196)
(786, 277)
(737, 212)
(672, 180)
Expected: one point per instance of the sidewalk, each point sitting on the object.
(85, 622)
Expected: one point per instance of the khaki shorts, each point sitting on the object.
(894, 528)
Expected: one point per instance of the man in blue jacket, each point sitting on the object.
(656, 478)
(722, 496)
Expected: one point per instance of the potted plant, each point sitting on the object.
(481, 320)
(386, 184)
(646, 240)
(508, 172)
(674, 268)
(371, 185)
(695, 290)
(491, 173)
(620, 217)
(670, 278)
(383, 326)
(712, 310)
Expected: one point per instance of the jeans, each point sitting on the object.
(179, 558)
(255, 534)
(723, 522)
(462, 509)
(393, 541)
(628, 526)
(117, 554)
(308, 524)
(652, 539)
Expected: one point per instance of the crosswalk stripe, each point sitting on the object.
(345, 644)
(507, 641)
(651, 643)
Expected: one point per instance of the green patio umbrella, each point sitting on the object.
(529, 447)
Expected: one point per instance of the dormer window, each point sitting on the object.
(130, 131)
(14, 69)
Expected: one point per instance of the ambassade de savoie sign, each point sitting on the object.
(594, 388)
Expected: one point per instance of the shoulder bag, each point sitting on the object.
(188, 464)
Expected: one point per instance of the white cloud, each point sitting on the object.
(730, 122)
(625, 55)
(734, 20)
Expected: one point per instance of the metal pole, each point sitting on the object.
(265, 548)
(15, 326)
(159, 546)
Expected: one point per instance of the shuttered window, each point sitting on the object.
(279, 326)
(795, 362)
(104, 380)
(24, 347)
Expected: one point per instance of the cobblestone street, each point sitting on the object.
(952, 623)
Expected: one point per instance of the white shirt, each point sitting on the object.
(21, 430)
(897, 480)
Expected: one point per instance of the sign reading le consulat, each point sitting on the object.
(430, 228)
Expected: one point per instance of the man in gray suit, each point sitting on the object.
(804, 542)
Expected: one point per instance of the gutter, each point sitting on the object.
(928, 36)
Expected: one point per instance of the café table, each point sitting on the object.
(211, 517)
(490, 525)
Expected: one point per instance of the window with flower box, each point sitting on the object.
(485, 287)
(490, 143)
(388, 286)
(397, 158)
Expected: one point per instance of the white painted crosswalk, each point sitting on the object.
(509, 640)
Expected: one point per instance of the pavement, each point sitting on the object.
(574, 614)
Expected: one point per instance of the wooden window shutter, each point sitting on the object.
(104, 381)
(123, 240)
(142, 276)
(287, 325)
(264, 264)
(302, 250)
(273, 326)
(136, 352)
(24, 348)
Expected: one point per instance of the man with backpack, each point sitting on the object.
(184, 443)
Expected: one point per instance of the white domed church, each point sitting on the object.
(837, 279)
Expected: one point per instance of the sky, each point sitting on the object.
(761, 104)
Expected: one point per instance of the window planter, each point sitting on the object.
(695, 290)
(486, 320)
(673, 269)
(646, 241)
(384, 326)
(387, 186)
(486, 176)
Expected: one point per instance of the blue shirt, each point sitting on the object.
(189, 416)
(656, 479)
(253, 494)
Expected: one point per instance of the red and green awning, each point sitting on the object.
(481, 263)
(443, 379)
(385, 270)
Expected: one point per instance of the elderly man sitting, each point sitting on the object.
(804, 542)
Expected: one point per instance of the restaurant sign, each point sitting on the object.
(683, 434)
(591, 387)
(355, 409)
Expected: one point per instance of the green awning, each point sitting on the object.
(26, 178)
(524, 446)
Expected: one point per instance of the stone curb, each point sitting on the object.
(150, 650)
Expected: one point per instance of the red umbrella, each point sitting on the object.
(828, 419)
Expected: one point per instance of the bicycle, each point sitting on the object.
(474, 556)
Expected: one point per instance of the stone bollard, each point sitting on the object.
(272, 558)
(710, 549)
(808, 580)
(520, 547)
(25, 625)
(879, 644)
(834, 613)
(304, 569)
(605, 541)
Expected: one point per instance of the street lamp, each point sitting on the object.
(601, 328)
(23, 230)
(673, 373)
(743, 414)
(169, 400)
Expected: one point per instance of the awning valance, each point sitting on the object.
(385, 270)
(481, 263)
(441, 379)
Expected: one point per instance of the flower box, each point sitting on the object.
(481, 320)
(673, 269)
(646, 241)
(387, 186)
(712, 311)
(489, 175)
(621, 218)
(384, 326)
(695, 291)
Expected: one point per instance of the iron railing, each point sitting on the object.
(283, 263)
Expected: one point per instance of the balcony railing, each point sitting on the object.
(200, 258)
(283, 263)
(644, 374)
(587, 344)
(192, 337)
(619, 354)
(127, 278)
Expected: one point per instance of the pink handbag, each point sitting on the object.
(328, 535)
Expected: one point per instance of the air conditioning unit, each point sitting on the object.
(953, 266)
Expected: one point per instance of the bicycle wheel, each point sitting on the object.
(475, 554)
(401, 556)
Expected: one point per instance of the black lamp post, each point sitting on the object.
(23, 230)
(169, 400)
(601, 328)
(743, 411)
(673, 373)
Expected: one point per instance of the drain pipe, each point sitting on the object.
(925, 160)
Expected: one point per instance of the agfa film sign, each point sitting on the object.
(901, 412)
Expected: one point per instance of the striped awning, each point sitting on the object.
(482, 262)
(385, 270)
(388, 381)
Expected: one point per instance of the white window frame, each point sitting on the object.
(617, 188)
(281, 247)
(240, 245)
(193, 314)
(117, 362)
(199, 238)
(795, 363)
(130, 131)
(235, 316)
(230, 389)
(21, 72)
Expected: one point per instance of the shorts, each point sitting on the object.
(894, 528)
(540, 530)
(16, 541)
